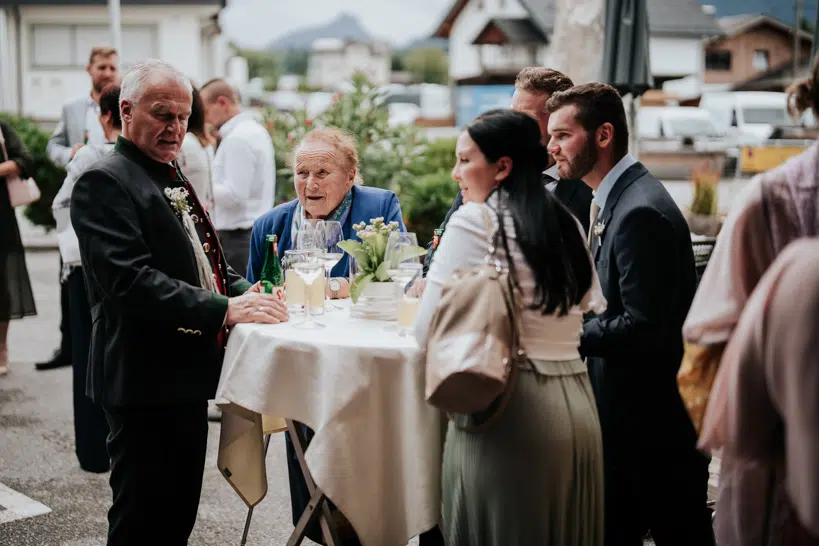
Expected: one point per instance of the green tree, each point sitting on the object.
(388, 156)
(295, 62)
(262, 64)
(428, 65)
(48, 176)
(397, 61)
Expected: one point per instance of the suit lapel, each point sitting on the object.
(632, 174)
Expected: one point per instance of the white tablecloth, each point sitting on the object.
(377, 449)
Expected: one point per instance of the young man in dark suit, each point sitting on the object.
(533, 87)
(656, 480)
(162, 299)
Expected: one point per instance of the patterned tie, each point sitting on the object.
(595, 210)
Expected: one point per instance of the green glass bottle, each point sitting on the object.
(272, 277)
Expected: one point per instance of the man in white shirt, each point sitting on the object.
(79, 125)
(244, 171)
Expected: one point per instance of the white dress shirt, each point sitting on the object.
(602, 193)
(244, 174)
(96, 136)
(553, 173)
(196, 163)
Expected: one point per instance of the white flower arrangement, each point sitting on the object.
(599, 228)
(179, 200)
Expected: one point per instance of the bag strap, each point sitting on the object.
(3, 145)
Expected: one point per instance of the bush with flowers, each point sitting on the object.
(369, 253)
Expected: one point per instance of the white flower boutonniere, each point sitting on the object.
(179, 200)
(599, 227)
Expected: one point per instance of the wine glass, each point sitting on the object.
(308, 268)
(403, 266)
(333, 235)
(311, 236)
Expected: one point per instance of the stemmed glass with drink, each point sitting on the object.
(404, 266)
(309, 267)
(333, 235)
(310, 239)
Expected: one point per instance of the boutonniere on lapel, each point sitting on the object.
(179, 200)
(598, 229)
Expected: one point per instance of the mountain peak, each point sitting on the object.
(344, 26)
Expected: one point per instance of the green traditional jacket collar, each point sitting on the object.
(163, 173)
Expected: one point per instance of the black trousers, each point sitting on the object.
(236, 246)
(157, 464)
(90, 427)
(65, 319)
(659, 490)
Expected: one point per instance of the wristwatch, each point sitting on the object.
(335, 286)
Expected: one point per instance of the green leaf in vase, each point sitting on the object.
(358, 251)
(382, 273)
(359, 284)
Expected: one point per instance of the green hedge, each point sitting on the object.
(48, 176)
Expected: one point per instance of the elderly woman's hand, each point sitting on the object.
(343, 290)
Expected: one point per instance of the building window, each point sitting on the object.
(718, 60)
(67, 46)
(761, 60)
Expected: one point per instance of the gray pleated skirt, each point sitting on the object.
(535, 477)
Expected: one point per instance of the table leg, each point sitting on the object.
(317, 498)
(250, 510)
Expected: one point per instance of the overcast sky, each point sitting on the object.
(254, 23)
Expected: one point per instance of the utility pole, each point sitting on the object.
(115, 25)
(797, 42)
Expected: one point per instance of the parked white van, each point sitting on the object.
(749, 116)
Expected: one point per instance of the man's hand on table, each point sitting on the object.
(253, 306)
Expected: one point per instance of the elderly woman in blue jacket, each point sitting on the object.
(325, 170)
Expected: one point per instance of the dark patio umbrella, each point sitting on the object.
(626, 53)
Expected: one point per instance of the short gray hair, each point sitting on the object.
(133, 84)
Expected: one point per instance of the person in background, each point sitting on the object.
(656, 479)
(244, 171)
(535, 476)
(90, 427)
(79, 125)
(16, 297)
(162, 299)
(773, 209)
(196, 158)
(767, 416)
(325, 174)
(533, 87)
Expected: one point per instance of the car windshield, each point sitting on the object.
(765, 116)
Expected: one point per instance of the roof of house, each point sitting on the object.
(738, 24)
(776, 78)
(669, 17)
(515, 31)
(220, 3)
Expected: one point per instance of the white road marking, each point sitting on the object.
(18, 506)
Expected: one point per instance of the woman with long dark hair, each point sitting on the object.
(535, 476)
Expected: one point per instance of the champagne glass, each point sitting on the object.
(333, 235)
(403, 266)
(309, 268)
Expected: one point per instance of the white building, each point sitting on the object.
(491, 40)
(44, 46)
(333, 61)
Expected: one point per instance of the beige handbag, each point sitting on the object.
(21, 192)
(473, 348)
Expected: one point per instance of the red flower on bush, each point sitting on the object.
(308, 122)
